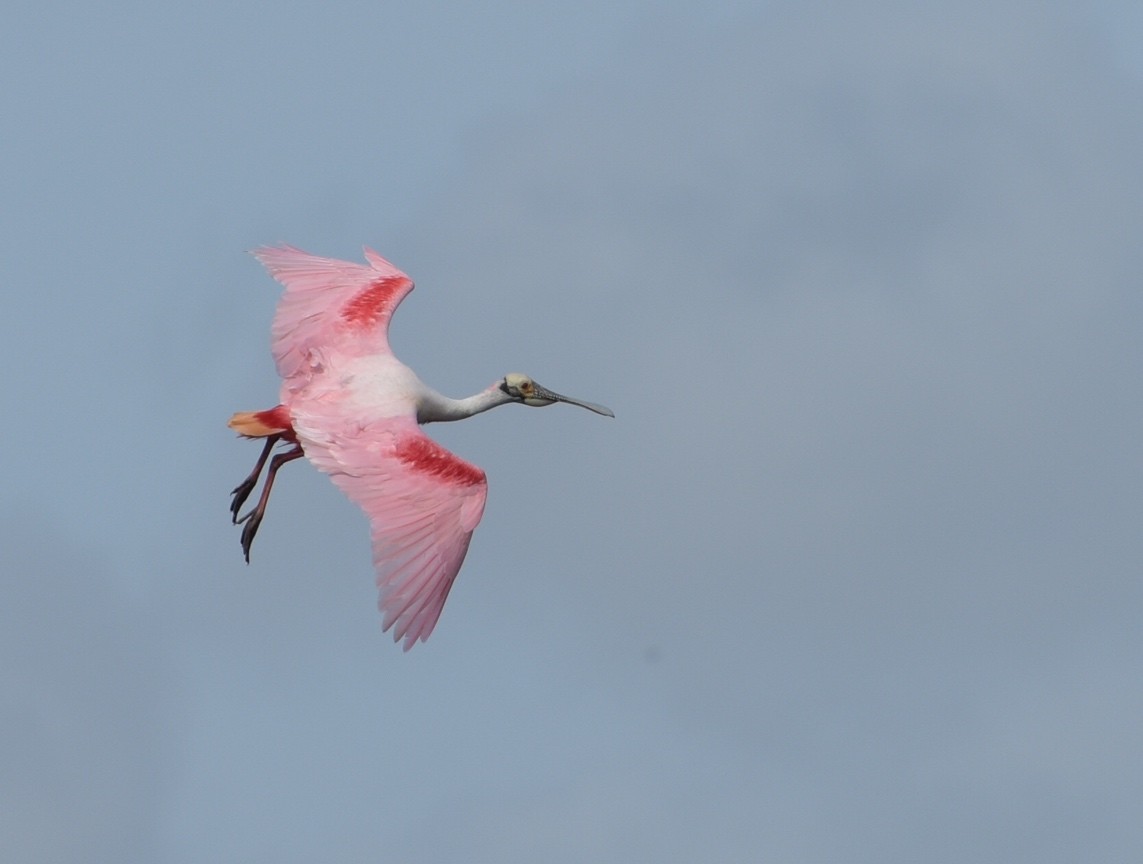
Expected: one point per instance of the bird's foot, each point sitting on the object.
(250, 523)
(241, 493)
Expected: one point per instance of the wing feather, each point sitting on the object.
(421, 518)
(329, 305)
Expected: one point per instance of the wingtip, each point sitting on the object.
(269, 251)
(379, 263)
(283, 255)
(399, 634)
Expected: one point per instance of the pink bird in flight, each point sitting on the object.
(354, 410)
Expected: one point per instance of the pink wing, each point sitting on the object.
(423, 504)
(330, 305)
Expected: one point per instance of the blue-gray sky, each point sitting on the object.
(853, 576)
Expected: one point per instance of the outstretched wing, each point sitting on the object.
(330, 305)
(423, 504)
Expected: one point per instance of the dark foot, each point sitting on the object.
(250, 521)
(242, 490)
(241, 493)
(253, 519)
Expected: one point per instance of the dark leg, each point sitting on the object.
(242, 490)
(254, 518)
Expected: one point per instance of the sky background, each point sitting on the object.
(853, 576)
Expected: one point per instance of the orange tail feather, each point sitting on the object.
(262, 424)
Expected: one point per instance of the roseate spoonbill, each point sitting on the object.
(353, 409)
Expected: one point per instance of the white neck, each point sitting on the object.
(434, 408)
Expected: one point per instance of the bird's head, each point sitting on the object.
(523, 389)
